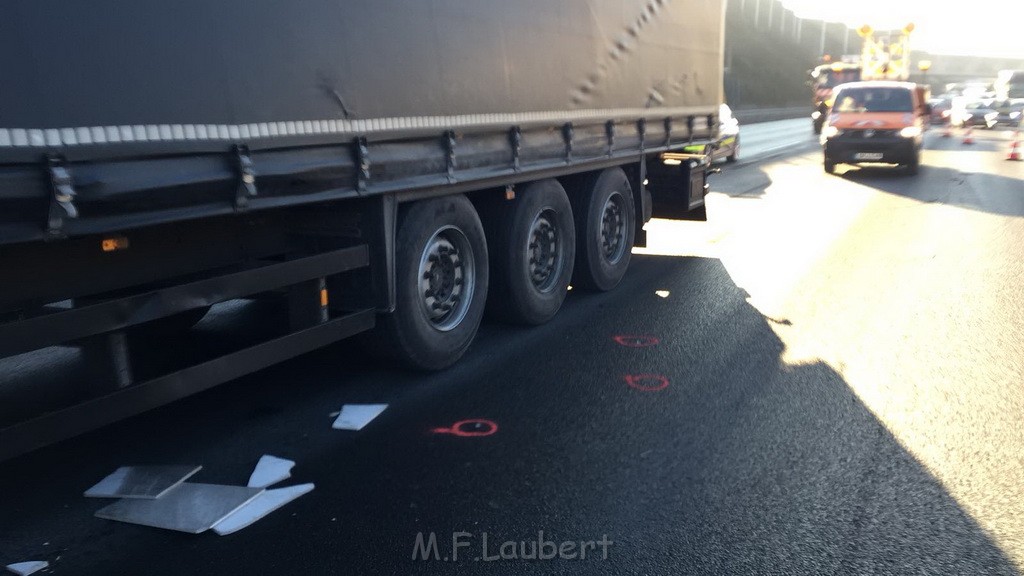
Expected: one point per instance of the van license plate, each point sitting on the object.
(867, 156)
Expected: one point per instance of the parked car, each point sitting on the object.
(940, 110)
(974, 113)
(1011, 112)
(727, 147)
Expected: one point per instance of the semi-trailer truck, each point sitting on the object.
(395, 168)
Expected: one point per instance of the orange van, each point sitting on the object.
(876, 122)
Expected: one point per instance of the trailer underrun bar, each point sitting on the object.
(110, 317)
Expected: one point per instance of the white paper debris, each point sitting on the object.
(258, 508)
(355, 416)
(141, 481)
(26, 568)
(269, 471)
(191, 508)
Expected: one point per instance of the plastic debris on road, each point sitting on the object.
(141, 481)
(259, 507)
(191, 508)
(269, 471)
(356, 416)
(26, 568)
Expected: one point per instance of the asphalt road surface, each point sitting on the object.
(825, 378)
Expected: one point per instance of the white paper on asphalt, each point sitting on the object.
(355, 416)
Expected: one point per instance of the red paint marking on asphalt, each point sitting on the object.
(647, 382)
(631, 341)
(469, 428)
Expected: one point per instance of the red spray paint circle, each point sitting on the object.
(647, 382)
(633, 341)
(469, 428)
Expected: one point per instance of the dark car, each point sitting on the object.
(1011, 113)
(974, 113)
(941, 108)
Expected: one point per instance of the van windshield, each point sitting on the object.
(866, 99)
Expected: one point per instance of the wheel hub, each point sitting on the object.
(446, 278)
(544, 251)
(612, 229)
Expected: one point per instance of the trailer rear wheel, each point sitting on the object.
(605, 223)
(441, 279)
(532, 248)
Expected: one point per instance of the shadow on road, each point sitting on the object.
(975, 185)
(741, 464)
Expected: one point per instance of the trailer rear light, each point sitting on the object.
(324, 300)
(114, 243)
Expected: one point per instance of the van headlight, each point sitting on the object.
(830, 132)
(910, 132)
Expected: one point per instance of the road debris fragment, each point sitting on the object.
(191, 508)
(269, 471)
(356, 416)
(259, 507)
(141, 481)
(26, 568)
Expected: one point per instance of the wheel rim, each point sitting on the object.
(613, 229)
(447, 278)
(545, 252)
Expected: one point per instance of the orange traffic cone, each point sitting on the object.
(1015, 148)
(969, 135)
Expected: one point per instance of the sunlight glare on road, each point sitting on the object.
(893, 290)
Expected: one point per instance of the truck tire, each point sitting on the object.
(441, 283)
(605, 222)
(532, 247)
